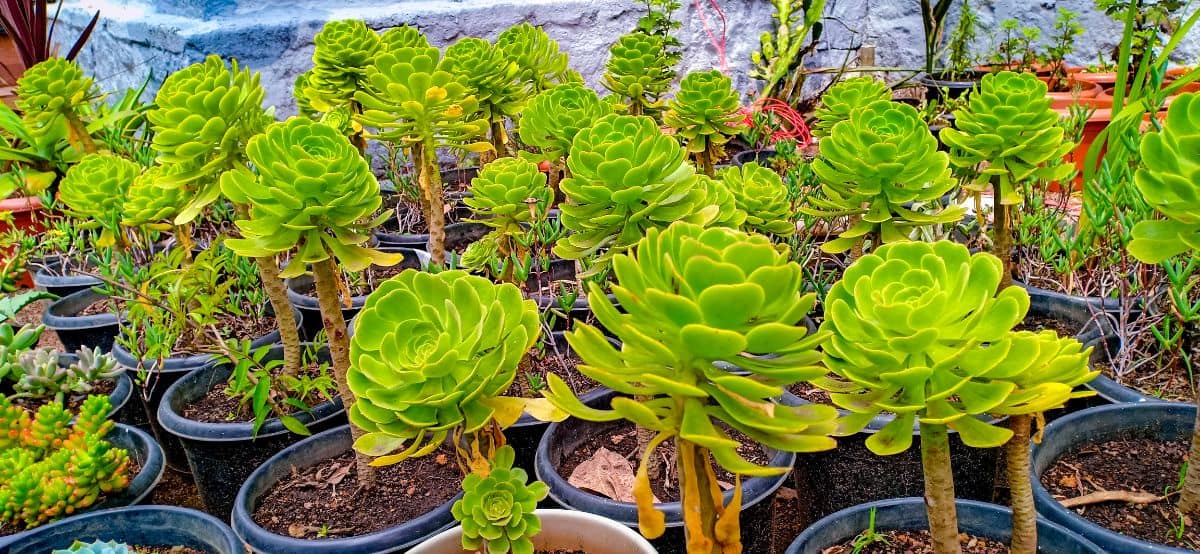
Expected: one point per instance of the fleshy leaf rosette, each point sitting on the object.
(537, 55)
(626, 177)
(403, 36)
(1169, 180)
(98, 185)
(553, 117)
(637, 71)
(300, 94)
(202, 118)
(1009, 124)
(919, 331)
(761, 194)
(489, 75)
(844, 98)
(704, 111)
(430, 355)
(496, 509)
(155, 195)
(311, 191)
(509, 192)
(717, 194)
(51, 90)
(883, 157)
(344, 50)
(97, 547)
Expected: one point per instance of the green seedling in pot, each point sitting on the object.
(496, 510)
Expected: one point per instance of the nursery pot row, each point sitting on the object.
(145, 526)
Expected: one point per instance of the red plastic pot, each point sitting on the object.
(23, 210)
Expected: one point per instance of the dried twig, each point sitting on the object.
(1113, 496)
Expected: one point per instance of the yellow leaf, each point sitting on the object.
(651, 521)
(508, 409)
(436, 94)
(542, 409)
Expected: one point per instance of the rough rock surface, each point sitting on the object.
(140, 37)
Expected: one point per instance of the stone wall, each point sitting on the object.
(137, 38)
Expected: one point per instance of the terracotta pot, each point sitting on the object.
(1096, 123)
(1175, 72)
(1086, 91)
(1106, 79)
(23, 210)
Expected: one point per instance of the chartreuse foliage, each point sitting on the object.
(496, 510)
(690, 297)
(920, 331)
(638, 72)
(203, 118)
(704, 113)
(155, 195)
(540, 63)
(402, 36)
(626, 177)
(98, 547)
(761, 194)
(309, 190)
(97, 188)
(844, 98)
(13, 344)
(553, 118)
(343, 51)
(1169, 180)
(491, 77)
(717, 194)
(509, 192)
(51, 467)
(882, 157)
(430, 357)
(52, 93)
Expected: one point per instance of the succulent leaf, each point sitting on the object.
(844, 98)
(761, 194)
(98, 547)
(1169, 180)
(718, 194)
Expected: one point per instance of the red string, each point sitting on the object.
(791, 123)
(718, 44)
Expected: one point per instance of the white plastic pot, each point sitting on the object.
(561, 529)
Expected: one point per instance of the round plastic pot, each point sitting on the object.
(150, 526)
(50, 278)
(563, 438)
(980, 519)
(78, 331)
(222, 455)
(118, 399)
(938, 85)
(1165, 421)
(763, 157)
(306, 453)
(310, 308)
(565, 530)
(458, 236)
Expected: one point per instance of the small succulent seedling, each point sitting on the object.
(845, 98)
(638, 72)
(705, 115)
(760, 193)
(13, 344)
(496, 510)
(38, 374)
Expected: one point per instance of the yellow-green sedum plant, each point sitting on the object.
(496, 510)
(626, 177)
(871, 167)
(760, 193)
(638, 72)
(704, 113)
(491, 77)
(844, 98)
(96, 188)
(411, 101)
(1009, 135)
(537, 55)
(690, 297)
(53, 93)
(919, 331)
(311, 193)
(552, 119)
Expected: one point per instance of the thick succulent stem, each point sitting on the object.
(78, 135)
(285, 318)
(635, 107)
(431, 185)
(1189, 498)
(357, 138)
(325, 275)
(704, 159)
(700, 496)
(1002, 242)
(1024, 537)
(557, 169)
(499, 140)
(939, 489)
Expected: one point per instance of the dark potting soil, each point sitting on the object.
(32, 315)
(535, 367)
(917, 542)
(622, 439)
(1164, 384)
(229, 326)
(366, 282)
(216, 406)
(811, 393)
(166, 550)
(74, 401)
(108, 305)
(324, 501)
(1139, 465)
(176, 489)
(1040, 323)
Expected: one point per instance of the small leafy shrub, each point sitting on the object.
(496, 510)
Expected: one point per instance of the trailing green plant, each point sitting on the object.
(1062, 44)
(779, 60)
(411, 101)
(97, 188)
(638, 73)
(491, 77)
(98, 547)
(51, 467)
(690, 297)
(496, 510)
(871, 167)
(845, 98)
(38, 374)
(626, 177)
(705, 114)
(537, 55)
(54, 93)
(552, 119)
(760, 193)
(959, 58)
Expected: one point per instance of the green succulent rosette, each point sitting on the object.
(626, 177)
(761, 194)
(1169, 180)
(97, 187)
(344, 50)
(537, 56)
(202, 119)
(510, 192)
(300, 92)
(97, 547)
(717, 194)
(402, 36)
(489, 75)
(844, 98)
(496, 509)
(431, 354)
(883, 157)
(637, 71)
(704, 111)
(920, 331)
(51, 89)
(155, 195)
(553, 117)
(310, 191)
(1009, 124)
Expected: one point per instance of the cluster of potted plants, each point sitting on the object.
(547, 320)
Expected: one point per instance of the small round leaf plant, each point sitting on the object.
(496, 510)
(872, 166)
(705, 115)
(638, 72)
(690, 297)
(919, 331)
(845, 98)
(759, 192)
(1169, 180)
(53, 93)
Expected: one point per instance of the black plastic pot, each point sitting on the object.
(77, 331)
(164, 526)
(763, 157)
(982, 520)
(458, 236)
(310, 308)
(1166, 421)
(306, 453)
(565, 437)
(1095, 327)
(953, 88)
(50, 278)
(222, 455)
